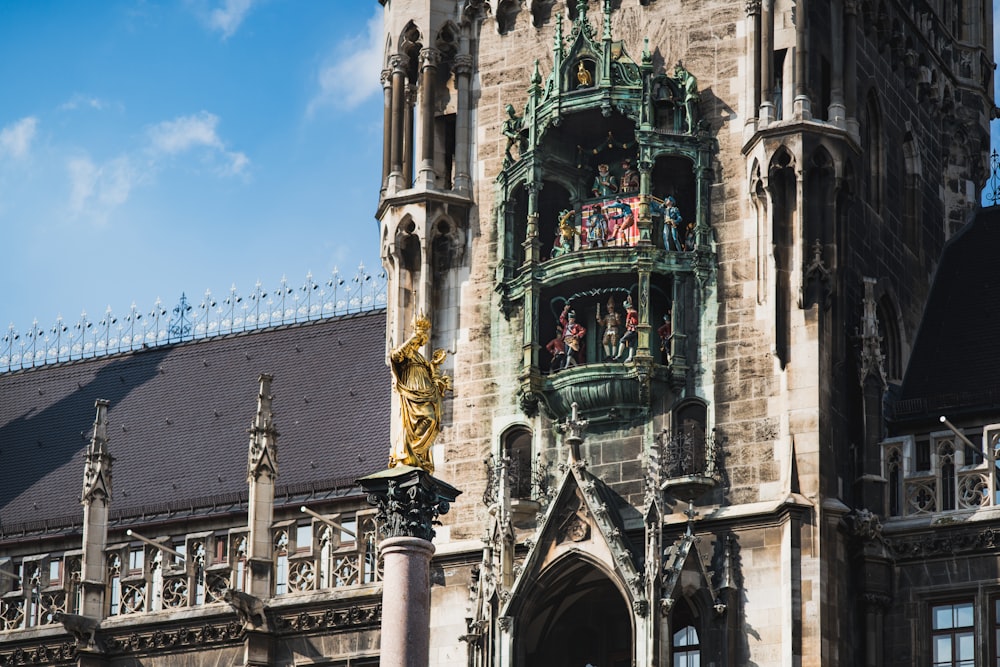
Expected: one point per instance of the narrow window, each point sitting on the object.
(953, 635)
(281, 563)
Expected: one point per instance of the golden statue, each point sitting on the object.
(583, 76)
(420, 385)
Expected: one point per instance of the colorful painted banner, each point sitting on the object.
(610, 222)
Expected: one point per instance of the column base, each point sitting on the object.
(802, 107)
(836, 113)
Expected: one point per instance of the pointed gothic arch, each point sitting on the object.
(575, 614)
(784, 205)
(872, 138)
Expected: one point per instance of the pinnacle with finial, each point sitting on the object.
(97, 470)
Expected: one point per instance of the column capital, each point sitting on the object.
(463, 64)
(753, 7)
(851, 7)
(409, 501)
(398, 63)
(386, 77)
(429, 57)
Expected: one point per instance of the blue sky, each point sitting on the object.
(153, 148)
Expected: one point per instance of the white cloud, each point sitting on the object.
(352, 75)
(15, 139)
(227, 18)
(185, 133)
(78, 101)
(97, 190)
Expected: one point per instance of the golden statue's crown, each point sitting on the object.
(422, 323)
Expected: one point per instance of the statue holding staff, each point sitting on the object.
(421, 386)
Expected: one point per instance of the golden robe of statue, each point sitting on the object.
(420, 385)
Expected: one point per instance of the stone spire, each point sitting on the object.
(263, 454)
(97, 473)
(96, 498)
(262, 470)
(872, 362)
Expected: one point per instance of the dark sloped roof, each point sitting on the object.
(179, 415)
(956, 355)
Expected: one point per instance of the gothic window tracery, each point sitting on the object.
(951, 475)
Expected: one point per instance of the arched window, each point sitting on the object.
(685, 644)
(517, 452)
(281, 563)
(889, 332)
(872, 140)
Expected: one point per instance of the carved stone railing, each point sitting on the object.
(139, 329)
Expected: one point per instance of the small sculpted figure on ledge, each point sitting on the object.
(565, 234)
(630, 177)
(573, 336)
(421, 386)
(673, 223)
(605, 184)
(583, 77)
(664, 331)
(557, 348)
(513, 129)
(623, 228)
(631, 337)
(597, 234)
(689, 90)
(611, 324)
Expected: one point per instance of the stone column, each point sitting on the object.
(851, 67)
(429, 59)
(386, 127)
(752, 90)
(801, 104)
(766, 114)
(409, 98)
(645, 219)
(463, 140)
(398, 85)
(531, 243)
(408, 501)
(837, 113)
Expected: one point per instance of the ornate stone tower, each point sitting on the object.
(679, 251)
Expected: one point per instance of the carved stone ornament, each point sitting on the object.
(249, 609)
(944, 544)
(332, 619)
(409, 501)
(753, 7)
(872, 361)
(865, 525)
(505, 623)
(640, 607)
(41, 654)
(574, 522)
(204, 635)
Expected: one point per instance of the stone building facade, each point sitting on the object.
(741, 474)
(795, 171)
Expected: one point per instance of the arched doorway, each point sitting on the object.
(575, 616)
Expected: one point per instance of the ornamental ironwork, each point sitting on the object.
(234, 313)
(526, 479)
(991, 195)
